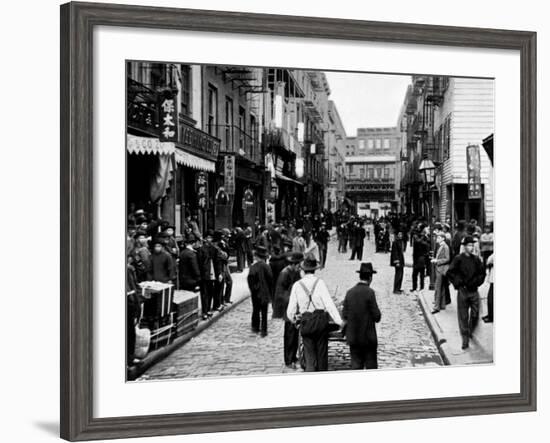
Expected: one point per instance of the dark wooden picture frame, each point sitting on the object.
(77, 24)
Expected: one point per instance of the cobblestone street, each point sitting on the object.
(229, 348)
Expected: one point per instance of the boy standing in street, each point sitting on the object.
(467, 274)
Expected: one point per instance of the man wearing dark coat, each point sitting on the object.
(288, 276)
(209, 271)
(322, 239)
(189, 272)
(421, 247)
(224, 279)
(397, 260)
(277, 262)
(357, 241)
(162, 266)
(260, 282)
(240, 246)
(360, 313)
(467, 273)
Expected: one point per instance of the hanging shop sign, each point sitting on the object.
(201, 189)
(248, 198)
(229, 174)
(474, 172)
(168, 117)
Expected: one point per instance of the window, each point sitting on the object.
(228, 128)
(386, 143)
(386, 172)
(371, 173)
(350, 169)
(361, 144)
(377, 143)
(242, 128)
(370, 143)
(186, 90)
(379, 172)
(362, 172)
(212, 111)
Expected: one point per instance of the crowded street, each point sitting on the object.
(229, 348)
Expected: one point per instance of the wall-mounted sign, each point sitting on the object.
(229, 174)
(474, 172)
(248, 198)
(168, 117)
(201, 189)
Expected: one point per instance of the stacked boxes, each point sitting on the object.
(186, 311)
(157, 312)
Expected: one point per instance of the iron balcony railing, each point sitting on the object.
(235, 140)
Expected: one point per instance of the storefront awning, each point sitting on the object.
(288, 179)
(148, 145)
(193, 161)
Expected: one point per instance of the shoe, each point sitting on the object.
(228, 302)
(465, 344)
(263, 334)
(254, 330)
(210, 314)
(205, 317)
(220, 308)
(486, 319)
(435, 311)
(398, 292)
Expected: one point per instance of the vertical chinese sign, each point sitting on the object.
(474, 171)
(229, 174)
(201, 190)
(168, 117)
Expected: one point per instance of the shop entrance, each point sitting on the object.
(466, 209)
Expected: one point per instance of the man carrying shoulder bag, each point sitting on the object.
(310, 306)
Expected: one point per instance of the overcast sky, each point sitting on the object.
(367, 100)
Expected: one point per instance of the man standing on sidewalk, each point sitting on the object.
(397, 260)
(441, 262)
(260, 282)
(467, 274)
(322, 239)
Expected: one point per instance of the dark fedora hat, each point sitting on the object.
(210, 233)
(190, 239)
(140, 233)
(366, 268)
(468, 239)
(295, 257)
(261, 251)
(310, 264)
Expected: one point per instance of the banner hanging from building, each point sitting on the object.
(474, 172)
(168, 117)
(229, 174)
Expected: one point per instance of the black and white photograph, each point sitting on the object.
(283, 220)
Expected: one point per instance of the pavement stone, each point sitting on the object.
(229, 348)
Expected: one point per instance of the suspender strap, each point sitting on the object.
(309, 293)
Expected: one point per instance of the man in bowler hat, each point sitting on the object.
(260, 282)
(360, 313)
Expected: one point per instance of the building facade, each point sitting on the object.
(336, 150)
(447, 121)
(373, 170)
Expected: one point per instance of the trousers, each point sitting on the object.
(225, 286)
(316, 352)
(290, 343)
(439, 294)
(490, 303)
(418, 272)
(363, 357)
(468, 312)
(259, 315)
(357, 251)
(398, 278)
(207, 288)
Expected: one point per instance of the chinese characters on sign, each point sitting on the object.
(229, 174)
(201, 190)
(168, 117)
(474, 172)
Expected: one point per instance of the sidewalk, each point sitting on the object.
(239, 293)
(444, 324)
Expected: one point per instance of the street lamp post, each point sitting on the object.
(427, 169)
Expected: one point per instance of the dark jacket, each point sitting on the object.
(397, 253)
(360, 311)
(277, 264)
(284, 284)
(466, 271)
(162, 267)
(260, 281)
(322, 238)
(421, 249)
(190, 274)
(357, 237)
(206, 256)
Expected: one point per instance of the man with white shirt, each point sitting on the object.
(310, 295)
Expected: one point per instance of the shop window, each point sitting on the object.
(185, 80)
(377, 143)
